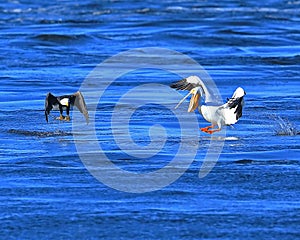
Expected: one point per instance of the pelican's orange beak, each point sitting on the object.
(194, 102)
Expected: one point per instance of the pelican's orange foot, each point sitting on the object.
(206, 128)
(213, 131)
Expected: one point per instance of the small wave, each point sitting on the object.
(244, 161)
(144, 10)
(284, 127)
(60, 37)
(177, 9)
(283, 60)
(39, 133)
(267, 162)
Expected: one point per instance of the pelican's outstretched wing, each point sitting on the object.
(79, 102)
(188, 83)
(49, 102)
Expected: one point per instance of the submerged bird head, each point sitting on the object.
(196, 92)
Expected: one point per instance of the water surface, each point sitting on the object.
(253, 190)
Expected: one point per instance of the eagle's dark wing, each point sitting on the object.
(79, 102)
(49, 102)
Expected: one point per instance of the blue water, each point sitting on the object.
(252, 192)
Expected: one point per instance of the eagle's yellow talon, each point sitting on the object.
(61, 118)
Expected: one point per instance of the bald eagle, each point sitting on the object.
(65, 102)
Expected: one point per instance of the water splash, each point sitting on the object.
(284, 127)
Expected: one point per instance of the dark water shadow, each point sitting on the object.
(39, 133)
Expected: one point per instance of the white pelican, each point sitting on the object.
(218, 115)
(66, 101)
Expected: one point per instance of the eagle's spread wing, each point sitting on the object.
(80, 104)
(49, 102)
